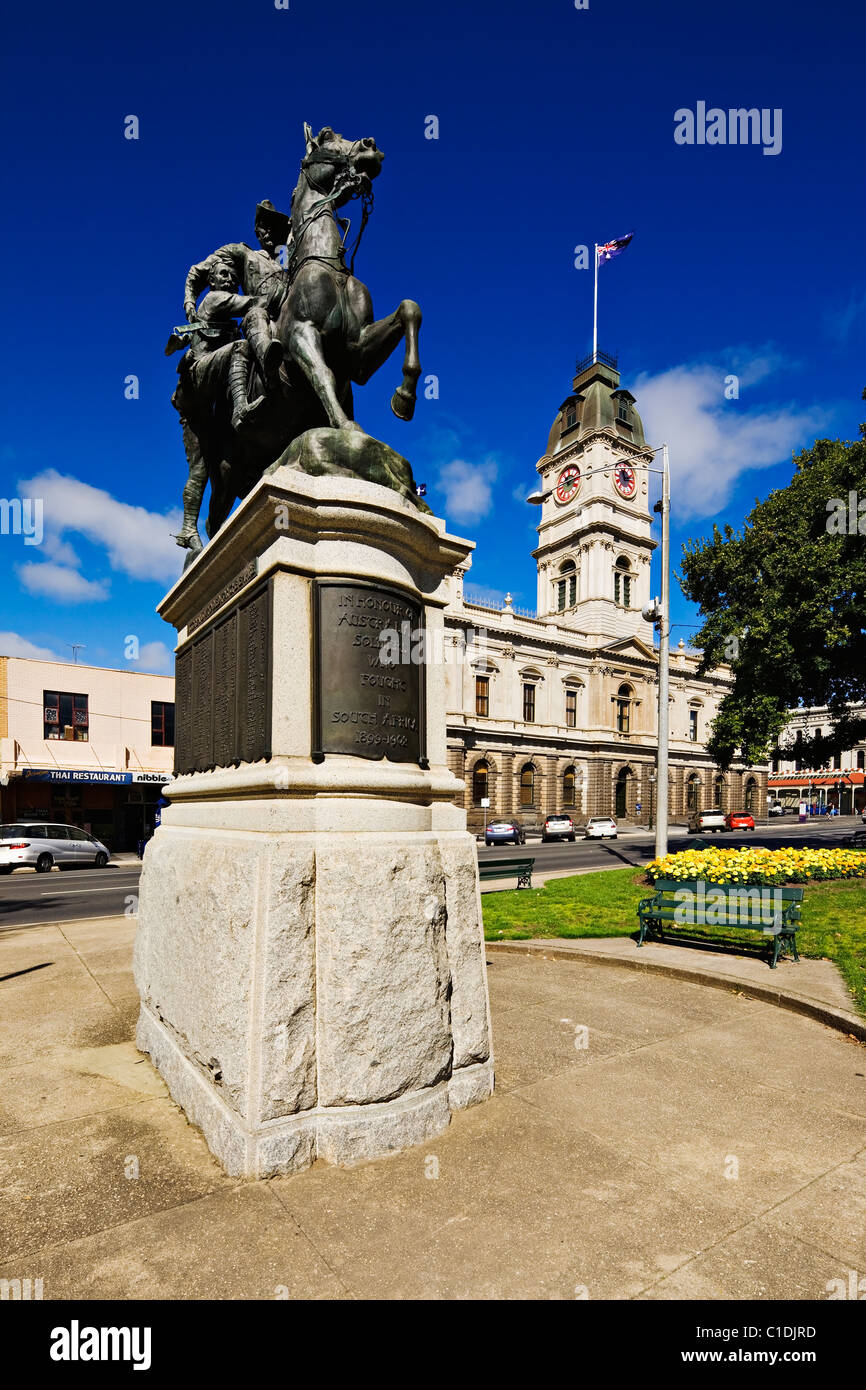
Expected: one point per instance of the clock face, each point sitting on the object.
(568, 484)
(624, 480)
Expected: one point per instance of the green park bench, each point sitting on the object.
(735, 906)
(507, 868)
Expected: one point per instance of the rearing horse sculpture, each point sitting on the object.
(327, 326)
(329, 336)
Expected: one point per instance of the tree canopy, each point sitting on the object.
(784, 604)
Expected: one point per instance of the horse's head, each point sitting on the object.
(333, 163)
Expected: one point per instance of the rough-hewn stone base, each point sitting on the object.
(343, 1136)
(312, 995)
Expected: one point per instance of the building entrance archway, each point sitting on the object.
(621, 793)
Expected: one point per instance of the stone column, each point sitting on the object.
(506, 804)
(309, 952)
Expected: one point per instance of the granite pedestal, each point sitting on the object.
(309, 951)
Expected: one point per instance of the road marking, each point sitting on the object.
(70, 892)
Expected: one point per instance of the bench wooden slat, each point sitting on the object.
(505, 868)
(789, 892)
(724, 905)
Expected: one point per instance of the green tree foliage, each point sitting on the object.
(784, 604)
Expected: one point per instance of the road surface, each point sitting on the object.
(29, 899)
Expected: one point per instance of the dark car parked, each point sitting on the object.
(504, 832)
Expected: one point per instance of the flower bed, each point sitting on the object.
(764, 866)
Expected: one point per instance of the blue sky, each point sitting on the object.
(556, 129)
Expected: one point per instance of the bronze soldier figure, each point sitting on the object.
(215, 370)
(262, 278)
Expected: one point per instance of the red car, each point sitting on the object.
(739, 820)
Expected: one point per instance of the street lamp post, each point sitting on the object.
(659, 614)
(664, 663)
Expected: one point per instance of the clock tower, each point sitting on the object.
(594, 537)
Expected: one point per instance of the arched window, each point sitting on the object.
(569, 784)
(718, 792)
(861, 761)
(749, 795)
(623, 709)
(622, 408)
(480, 782)
(570, 417)
(527, 785)
(693, 787)
(566, 586)
(622, 582)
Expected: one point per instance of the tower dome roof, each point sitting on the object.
(597, 403)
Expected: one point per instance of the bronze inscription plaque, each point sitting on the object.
(223, 689)
(370, 691)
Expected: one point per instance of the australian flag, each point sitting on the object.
(612, 248)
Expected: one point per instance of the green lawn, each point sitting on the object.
(605, 904)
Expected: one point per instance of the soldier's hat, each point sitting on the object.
(278, 222)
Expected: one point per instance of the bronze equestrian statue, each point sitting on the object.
(247, 402)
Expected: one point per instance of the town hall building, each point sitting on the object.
(556, 710)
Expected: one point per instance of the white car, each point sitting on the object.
(600, 828)
(41, 845)
(710, 821)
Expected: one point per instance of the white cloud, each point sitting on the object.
(713, 441)
(155, 657)
(61, 584)
(139, 543)
(468, 488)
(13, 644)
(59, 550)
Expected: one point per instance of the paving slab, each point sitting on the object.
(813, 987)
(649, 1138)
(238, 1244)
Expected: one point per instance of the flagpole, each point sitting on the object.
(595, 308)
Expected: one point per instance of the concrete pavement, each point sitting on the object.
(649, 1139)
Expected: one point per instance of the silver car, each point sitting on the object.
(40, 845)
(713, 822)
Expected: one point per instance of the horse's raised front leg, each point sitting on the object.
(305, 347)
(375, 345)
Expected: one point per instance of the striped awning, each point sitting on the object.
(816, 779)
